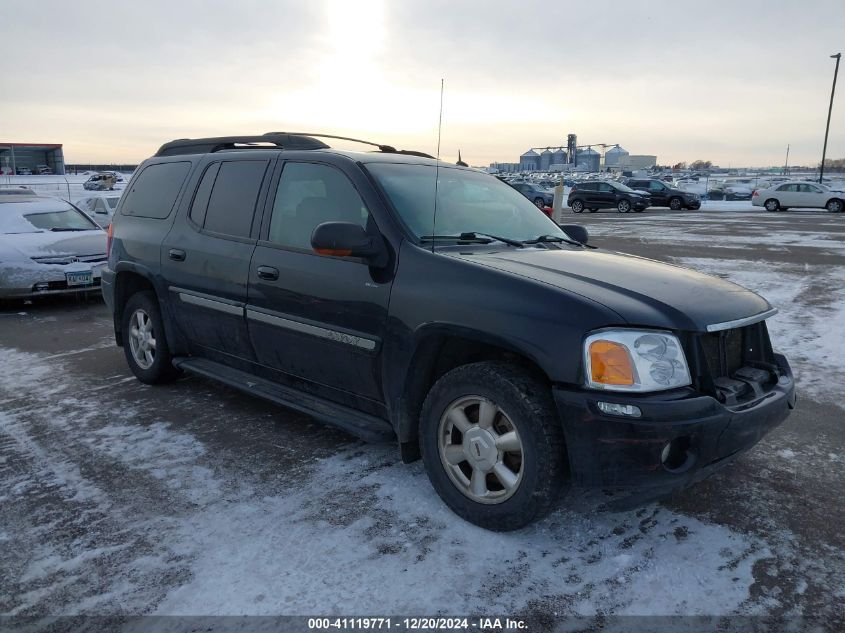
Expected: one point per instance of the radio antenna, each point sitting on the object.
(437, 167)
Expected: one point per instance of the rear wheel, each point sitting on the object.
(492, 445)
(834, 206)
(772, 205)
(144, 340)
(577, 206)
(623, 206)
(676, 203)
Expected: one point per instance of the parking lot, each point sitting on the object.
(190, 498)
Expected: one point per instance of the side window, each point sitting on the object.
(200, 204)
(308, 195)
(234, 193)
(605, 188)
(153, 192)
(809, 189)
(786, 188)
(655, 186)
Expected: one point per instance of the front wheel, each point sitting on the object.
(492, 445)
(623, 206)
(577, 206)
(539, 203)
(772, 205)
(144, 341)
(834, 206)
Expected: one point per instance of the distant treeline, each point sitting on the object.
(76, 169)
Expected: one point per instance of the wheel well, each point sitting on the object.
(435, 356)
(126, 284)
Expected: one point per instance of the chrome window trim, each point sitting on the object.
(313, 330)
(728, 325)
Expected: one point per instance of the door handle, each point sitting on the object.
(268, 273)
(177, 255)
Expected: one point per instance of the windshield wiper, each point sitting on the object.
(67, 229)
(474, 236)
(545, 239)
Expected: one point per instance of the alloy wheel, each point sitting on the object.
(480, 449)
(142, 340)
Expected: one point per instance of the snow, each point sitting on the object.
(355, 533)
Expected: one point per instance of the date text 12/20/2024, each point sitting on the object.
(417, 624)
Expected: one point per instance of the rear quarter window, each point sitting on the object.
(153, 192)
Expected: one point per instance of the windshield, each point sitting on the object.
(467, 202)
(67, 219)
(112, 202)
(620, 186)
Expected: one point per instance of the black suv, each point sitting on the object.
(662, 195)
(605, 194)
(432, 305)
(540, 196)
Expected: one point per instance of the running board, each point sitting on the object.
(362, 425)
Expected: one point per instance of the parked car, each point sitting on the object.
(47, 246)
(540, 196)
(605, 194)
(100, 208)
(473, 331)
(24, 171)
(43, 170)
(103, 181)
(800, 195)
(662, 195)
(16, 191)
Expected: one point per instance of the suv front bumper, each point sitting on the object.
(626, 452)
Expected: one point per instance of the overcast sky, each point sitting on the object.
(729, 81)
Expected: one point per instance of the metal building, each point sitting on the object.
(614, 155)
(529, 161)
(32, 158)
(545, 160)
(559, 157)
(588, 159)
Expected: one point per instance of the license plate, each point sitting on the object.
(84, 278)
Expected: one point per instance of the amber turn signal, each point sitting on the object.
(611, 364)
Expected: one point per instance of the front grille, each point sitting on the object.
(723, 351)
(729, 363)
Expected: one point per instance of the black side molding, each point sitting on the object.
(362, 425)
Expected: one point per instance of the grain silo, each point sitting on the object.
(614, 156)
(588, 159)
(529, 161)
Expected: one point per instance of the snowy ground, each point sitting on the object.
(118, 498)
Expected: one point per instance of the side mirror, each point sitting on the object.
(576, 232)
(346, 239)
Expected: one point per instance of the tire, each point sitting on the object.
(834, 206)
(675, 203)
(771, 205)
(150, 364)
(577, 206)
(539, 203)
(623, 206)
(520, 407)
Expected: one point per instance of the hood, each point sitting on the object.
(56, 243)
(641, 291)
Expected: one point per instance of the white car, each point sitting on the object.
(100, 208)
(47, 246)
(799, 194)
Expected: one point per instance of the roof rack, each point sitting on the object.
(281, 140)
(216, 144)
(387, 149)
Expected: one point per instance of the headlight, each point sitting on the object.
(635, 360)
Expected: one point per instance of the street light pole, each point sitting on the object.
(829, 110)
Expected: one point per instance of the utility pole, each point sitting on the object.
(837, 57)
(786, 164)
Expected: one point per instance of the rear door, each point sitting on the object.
(318, 318)
(658, 193)
(205, 257)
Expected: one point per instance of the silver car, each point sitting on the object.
(48, 246)
(100, 208)
(799, 194)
